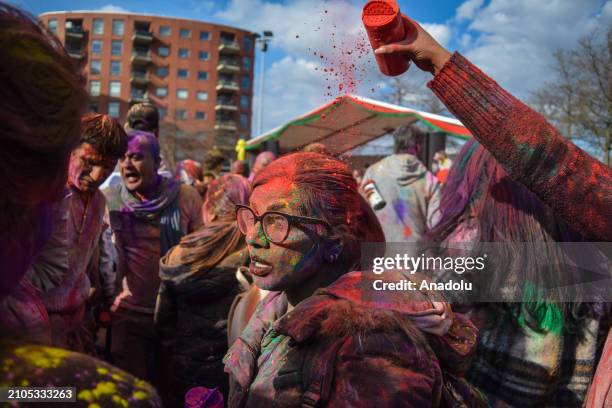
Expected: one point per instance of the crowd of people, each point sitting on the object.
(245, 288)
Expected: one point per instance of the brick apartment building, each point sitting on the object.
(199, 75)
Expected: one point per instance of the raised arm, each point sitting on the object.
(574, 184)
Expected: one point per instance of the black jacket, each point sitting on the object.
(192, 312)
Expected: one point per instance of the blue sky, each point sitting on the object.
(511, 40)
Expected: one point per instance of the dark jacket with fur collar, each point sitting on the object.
(381, 356)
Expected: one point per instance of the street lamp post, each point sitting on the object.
(263, 40)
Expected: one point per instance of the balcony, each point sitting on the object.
(76, 53)
(139, 97)
(227, 86)
(75, 33)
(142, 37)
(142, 57)
(229, 125)
(139, 78)
(226, 104)
(230, 66)
(229, 47)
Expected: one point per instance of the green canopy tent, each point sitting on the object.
(350, 121)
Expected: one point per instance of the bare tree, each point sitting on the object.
(579, 101)
(411, 92)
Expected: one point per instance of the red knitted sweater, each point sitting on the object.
(575, 185)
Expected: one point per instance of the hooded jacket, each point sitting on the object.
(412, 194)
(343, 347)
(192, 309)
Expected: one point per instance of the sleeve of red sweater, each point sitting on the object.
(575, 185)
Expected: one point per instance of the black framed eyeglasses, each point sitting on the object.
(275, 224)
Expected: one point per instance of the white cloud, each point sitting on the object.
(111, 8)
(441, 32)
(513, 40)
(468, 9)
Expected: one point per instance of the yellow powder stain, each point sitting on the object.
(102, 370)
(294, 260)
(25, 383)
(86, 395)
(140, 395)
(41, 357)
(104, 388)
(94, 406)
(122, 402)
(117, 377)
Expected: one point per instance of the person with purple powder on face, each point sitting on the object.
(148, 215)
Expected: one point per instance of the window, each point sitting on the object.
(202, 75)
(246, 82)
(204, 35)
(202, 96)
(94, 88)
(114, 88)
(162, 113)
(53, 25)
(118, 27)
(96, 47)
(203, 55)
(94, 107)
(201, 115)
(98, 26)
(162, 72)
(183, 53)
(182, 73)
(244, 101)
(165, 31)
(115, 68)
(248, 44)
(246, 63)
(116, 47)
(181, 114)
(182, 94)
(95, 67)
(163, 51)
(185, 33)
(162, 92)
(113, 109)
(244, 120)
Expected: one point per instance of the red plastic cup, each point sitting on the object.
(385, 24)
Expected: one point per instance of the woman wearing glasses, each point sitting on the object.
(315, 340)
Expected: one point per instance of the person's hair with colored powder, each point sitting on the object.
(42, 98)
(192, 171)
(325, 188)
(104, 134)
(317, 148)
(482, 204)
(220, 235)
(143, 116)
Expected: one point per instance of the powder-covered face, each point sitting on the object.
(138, 167)
(283, 266)
(88, 168)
